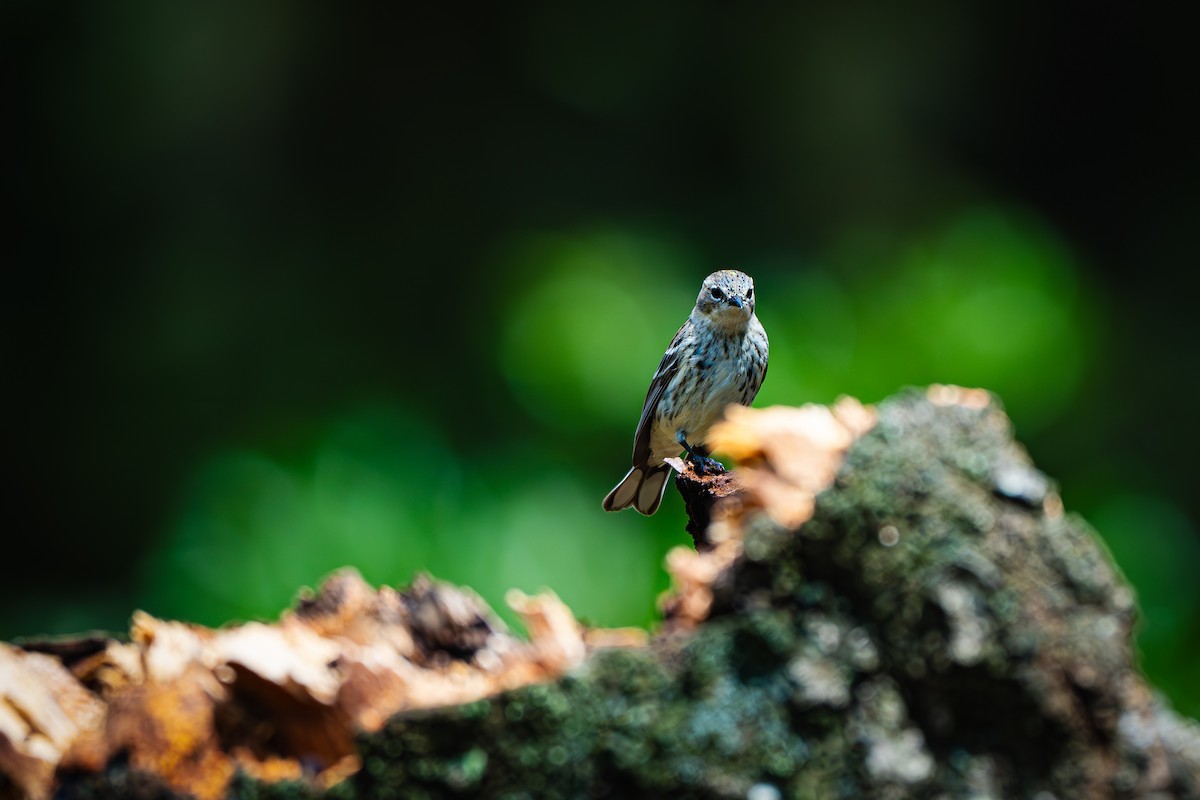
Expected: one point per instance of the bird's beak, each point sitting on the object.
(736, 300)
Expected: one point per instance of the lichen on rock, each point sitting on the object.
(925, 621)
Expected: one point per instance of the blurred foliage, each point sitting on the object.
(309, 287)
(381, 494)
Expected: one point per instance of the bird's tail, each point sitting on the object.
(642, 487)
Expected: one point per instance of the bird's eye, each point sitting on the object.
(715, 293)
(750, 294)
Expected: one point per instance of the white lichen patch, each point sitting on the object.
(895, 749)
(901, 757)
(969, 629)
(820, 681)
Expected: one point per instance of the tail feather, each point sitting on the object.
(653, 488)
(642, 487)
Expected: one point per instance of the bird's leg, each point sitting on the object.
(698, 456)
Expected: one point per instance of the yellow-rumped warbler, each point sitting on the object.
(718, 357)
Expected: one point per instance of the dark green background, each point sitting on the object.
(301, 286)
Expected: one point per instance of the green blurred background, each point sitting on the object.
(301, 286)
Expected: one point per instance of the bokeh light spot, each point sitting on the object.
(581, 340)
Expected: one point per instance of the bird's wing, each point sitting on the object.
(762, 377)
(662, 377)
(761, 349)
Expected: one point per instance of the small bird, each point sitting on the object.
(718, 357)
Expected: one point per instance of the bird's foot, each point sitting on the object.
(697, 456)
(703, 465)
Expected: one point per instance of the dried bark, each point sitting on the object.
(882, 603)
(180, 709)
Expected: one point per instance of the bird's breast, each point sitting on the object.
(717, 372)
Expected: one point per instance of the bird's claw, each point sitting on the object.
(703, 465)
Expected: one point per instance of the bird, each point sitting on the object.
(717, 358)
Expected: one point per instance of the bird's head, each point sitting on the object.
(726, 299)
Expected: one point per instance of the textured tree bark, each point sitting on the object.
(882, 603)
